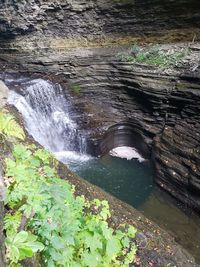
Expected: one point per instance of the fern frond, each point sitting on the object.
(9, 127)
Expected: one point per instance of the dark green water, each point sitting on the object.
(132, 182)
(129, 181)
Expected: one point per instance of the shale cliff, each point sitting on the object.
(44, 22)
(162, 105)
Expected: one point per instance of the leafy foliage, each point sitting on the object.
(9, 127)
(66, 230)
(154, 55)
(21, 246)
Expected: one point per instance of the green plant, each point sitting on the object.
(66, 230)
(76, 88)
(21, 246)
(154, 55)
(9, 127)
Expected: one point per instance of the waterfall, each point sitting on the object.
(47, 115)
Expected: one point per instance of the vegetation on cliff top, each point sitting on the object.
(155, 55)
(46, 220)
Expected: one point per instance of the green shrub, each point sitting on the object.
(64, 229)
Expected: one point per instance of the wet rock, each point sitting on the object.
(142, 240)
(3, 94)
(155, 259)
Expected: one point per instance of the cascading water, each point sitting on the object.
(48, 119)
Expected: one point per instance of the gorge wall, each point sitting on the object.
(162, 105)
(45, 22)
(44, 38)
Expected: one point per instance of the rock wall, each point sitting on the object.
(177, 149)
(163, 106)
(93, 18)
(165, 110)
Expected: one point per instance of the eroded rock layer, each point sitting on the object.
(93, 18)
(162, 105)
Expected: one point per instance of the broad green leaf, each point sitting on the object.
(35, 162)
(107, 232)
(93, 242)
(49, 171)
(43, 155)
(51, 263)
(113, 247)
(58, 242)
(35, 246)
(91, 259)
(66, 230)
(125, 242)
(20, 237)
(56, 256)
(25, 252)
(14, 253)
(21, 152)
(76, 264)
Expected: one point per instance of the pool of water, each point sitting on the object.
(129, 181)
(132, 182)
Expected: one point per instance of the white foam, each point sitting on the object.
(60, 116)
(71, 156)
(126, 152)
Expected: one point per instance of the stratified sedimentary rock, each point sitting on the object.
(54, 23)
(162, 105)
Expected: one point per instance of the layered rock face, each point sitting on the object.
(92, 18)
(162, 106)
(177, 149)
(165, 109)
